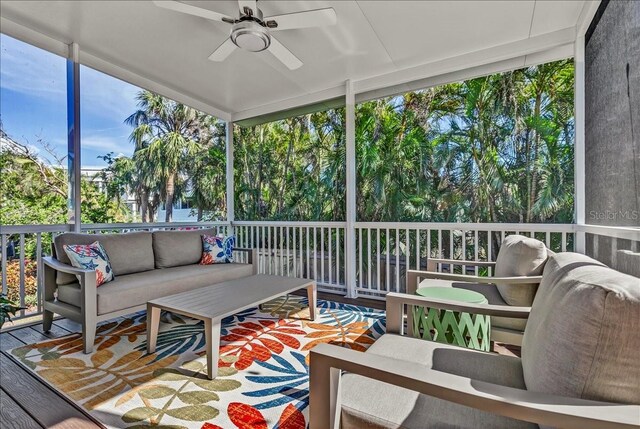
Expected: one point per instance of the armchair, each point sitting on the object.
(581, 376)
(516, 277)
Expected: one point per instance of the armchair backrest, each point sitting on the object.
(520, 256)
(583, 334)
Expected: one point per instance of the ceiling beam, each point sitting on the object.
(587, 13)
(291, 103)
(469, 60)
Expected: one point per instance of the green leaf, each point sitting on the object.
(169, 374)
(194, 366)
(194, 413)
(226, 371)
(217, 385)
(198, 397)
(157, 392)
(140, 413)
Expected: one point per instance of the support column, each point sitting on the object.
(579, 150)
(350, 235)
(230, 177)
(73, 137)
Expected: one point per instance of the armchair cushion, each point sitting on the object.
(178, 248)
(367, 403)
(583, 334)
(128, 253)
(494, 298)
(520, 256)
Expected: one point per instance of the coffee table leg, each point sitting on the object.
(312, 295)
(153, 323)
(212, 336)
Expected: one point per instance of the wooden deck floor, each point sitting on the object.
(25, 402)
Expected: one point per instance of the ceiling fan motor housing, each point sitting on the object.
(251, 36)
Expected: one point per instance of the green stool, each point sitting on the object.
(452, 327)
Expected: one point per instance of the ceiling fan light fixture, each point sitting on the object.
(250, 36)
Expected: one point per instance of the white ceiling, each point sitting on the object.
(372, 38)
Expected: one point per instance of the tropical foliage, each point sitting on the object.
(492, 149)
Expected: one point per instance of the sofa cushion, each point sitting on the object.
(178, 248)
(367, 403)
(520, 256)
(583, 334)
(136, 289)
(128, 253)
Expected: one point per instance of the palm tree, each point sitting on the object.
(165, 134)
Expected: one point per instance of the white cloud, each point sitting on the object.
(107, 96)
(32, 71)
(106, 144)
(35, 72)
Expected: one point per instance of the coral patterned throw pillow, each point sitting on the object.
(217, 250)
(91, 257)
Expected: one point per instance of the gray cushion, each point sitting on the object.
(520, 256)
(494, 298)
(128, 253)
(628, 262)
(136, 289)
(178, 248)
(583, 334)
(367, 403)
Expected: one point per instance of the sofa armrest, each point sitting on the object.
(397, 301)
(87, 280)
(549, 410)
(252, 257)
(65, 268)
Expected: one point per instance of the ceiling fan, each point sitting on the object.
(251, 31)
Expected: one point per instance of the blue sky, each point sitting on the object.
(33, 103)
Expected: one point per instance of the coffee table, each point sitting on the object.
(213, 303)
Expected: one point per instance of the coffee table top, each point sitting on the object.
(452, 294)
(227, 298)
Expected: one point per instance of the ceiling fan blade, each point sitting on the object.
(177, 6)
(223, 51)
(309, 18)
(251, 4)
(284, 55)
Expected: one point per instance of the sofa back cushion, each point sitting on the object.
(177, 248)
(583, 335)
(520, 256)
(128, 253)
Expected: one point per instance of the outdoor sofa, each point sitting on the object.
(146, 265)
(579, 366)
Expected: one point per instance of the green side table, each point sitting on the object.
(452, 327)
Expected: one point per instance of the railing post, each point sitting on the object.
(579, 151)
(73, 140)
(230, 178)
(350, 232)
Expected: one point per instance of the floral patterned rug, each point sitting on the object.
(262, 382)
